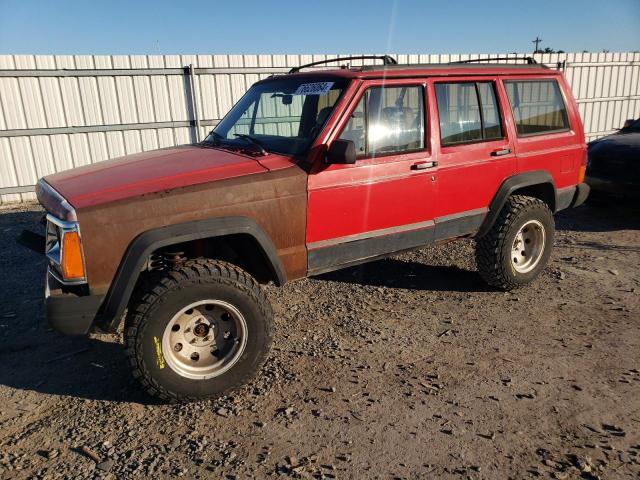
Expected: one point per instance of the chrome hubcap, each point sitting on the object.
(204, 339)
(528, 246)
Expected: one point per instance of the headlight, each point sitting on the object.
(63, 245)
(64, 250)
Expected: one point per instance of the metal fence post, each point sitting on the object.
(194, 104)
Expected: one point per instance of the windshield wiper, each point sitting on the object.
(253, 142)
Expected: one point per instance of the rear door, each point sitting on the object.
(384, 202)
(475, 151)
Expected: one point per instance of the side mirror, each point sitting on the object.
(628, 123)
(341, 151)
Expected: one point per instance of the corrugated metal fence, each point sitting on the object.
(58, 112)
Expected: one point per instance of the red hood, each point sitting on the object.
(154, 171)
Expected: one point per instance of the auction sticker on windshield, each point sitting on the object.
(317, 88)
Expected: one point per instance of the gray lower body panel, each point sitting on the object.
(328, 255)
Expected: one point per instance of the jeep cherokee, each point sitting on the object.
(309, 172)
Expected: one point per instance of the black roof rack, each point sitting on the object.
(529, 60)
(386, 60)
(451, 65)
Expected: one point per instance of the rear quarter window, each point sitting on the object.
(537, 106)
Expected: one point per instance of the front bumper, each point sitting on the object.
(69, 313)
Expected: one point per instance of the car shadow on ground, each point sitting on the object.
(604, 217)
(33, 356)
(77, 367)
(395, 273)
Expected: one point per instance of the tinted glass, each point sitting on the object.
(468, 111)
(387, 120)
(490, 111)
(459, 113)
(537, 106)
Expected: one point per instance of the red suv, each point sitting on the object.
(309, 172)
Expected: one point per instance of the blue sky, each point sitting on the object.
(328, 26)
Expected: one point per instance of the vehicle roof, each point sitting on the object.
(426, 70)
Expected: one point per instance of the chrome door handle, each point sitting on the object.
(424, 165)
(499, 153)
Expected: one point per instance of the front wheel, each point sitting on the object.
(199, 331)
(518, 246)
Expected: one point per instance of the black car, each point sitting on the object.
(613, 167)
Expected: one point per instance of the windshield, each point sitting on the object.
(283, 116)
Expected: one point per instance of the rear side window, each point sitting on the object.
(387, 120)
(468, 112)
(537, 106)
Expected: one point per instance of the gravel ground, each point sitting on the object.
(405, 368)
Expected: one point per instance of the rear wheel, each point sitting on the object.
(199, 331)
(518, 246)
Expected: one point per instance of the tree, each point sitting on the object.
(548, 50)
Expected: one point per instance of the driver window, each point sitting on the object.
(387, 120)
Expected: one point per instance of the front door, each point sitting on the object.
(385, 201)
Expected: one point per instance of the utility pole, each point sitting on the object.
(537, 42)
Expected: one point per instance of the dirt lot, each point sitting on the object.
(406, 368)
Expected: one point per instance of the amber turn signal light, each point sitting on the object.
(72, 263)
(582, 173)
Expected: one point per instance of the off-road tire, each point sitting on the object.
(493, 250)
(152, 309)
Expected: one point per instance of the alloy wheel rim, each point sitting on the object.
(204, 339)
(528, 246)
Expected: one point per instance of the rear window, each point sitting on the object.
(537, 106)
